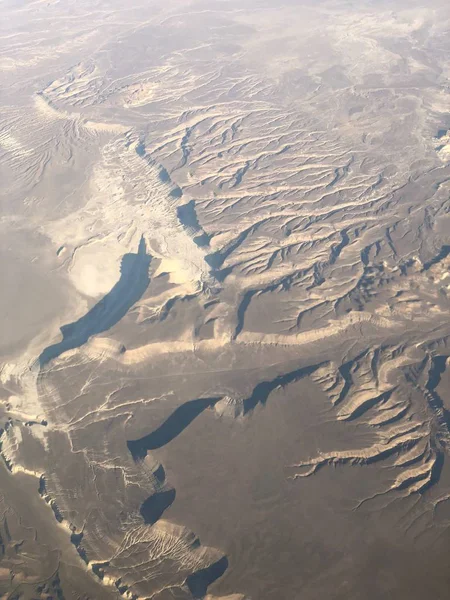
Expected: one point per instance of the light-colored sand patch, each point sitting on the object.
(114, 128)
(177, 273)
(334, 328)
(95, 268)
(444, 152)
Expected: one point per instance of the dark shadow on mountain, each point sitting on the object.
(199, 581)
(262, 391)
(155, 505)
(242, 308)
(171, 428)
(436, 472)
(202, 240)
(187, 216)
(437, 368)
(134, 279)
(443, 253)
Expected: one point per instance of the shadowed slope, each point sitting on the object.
(133, 282)
(173, 426)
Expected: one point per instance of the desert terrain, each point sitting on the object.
(224, 305)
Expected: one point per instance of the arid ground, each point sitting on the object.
(224, 299)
